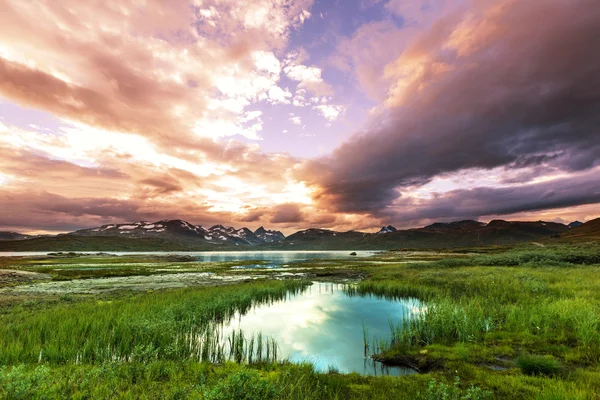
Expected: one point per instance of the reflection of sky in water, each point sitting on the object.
(278, 257)
(275, 257)
(325, 326)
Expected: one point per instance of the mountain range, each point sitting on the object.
(179, 230)
(5, 235)
(172, 235)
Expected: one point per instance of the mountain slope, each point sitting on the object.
(165, 235)
(142, 229)
(387, 229)
(439, 235)
(97, 243)
(468, 233)
(269, 236)
(179, 230)
(590, 231)
(181, 235)
(5, 235)
(322, 239)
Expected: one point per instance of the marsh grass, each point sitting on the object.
(532, 364)
(473, 312)
(177, 324)
(442, 391)
(542, 306)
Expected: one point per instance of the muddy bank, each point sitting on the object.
(10, 277)
(418, 362)
(137, 282)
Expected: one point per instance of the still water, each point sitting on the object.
(324, 325)
(274, 257)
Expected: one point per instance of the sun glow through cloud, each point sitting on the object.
(284, 113)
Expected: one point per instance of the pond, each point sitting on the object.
(324, 325)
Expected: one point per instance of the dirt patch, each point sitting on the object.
(138, 282)
(337, 275)
(419, 362)
(10, 277)
(494, 367)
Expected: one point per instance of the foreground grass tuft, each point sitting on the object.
(243, 385)
(441, 391)
(539, 365)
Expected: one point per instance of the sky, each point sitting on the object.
(338, 114)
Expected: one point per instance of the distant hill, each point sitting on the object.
(4, 235)
(575, 224)
(439, 235)
(590, 231)
(94, 243)
(178, 235)
(322, 239)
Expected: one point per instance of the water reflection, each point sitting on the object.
(275, 257)
(324, 325)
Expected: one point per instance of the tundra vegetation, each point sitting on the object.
(505, 323)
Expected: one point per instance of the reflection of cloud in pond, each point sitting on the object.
(324, 326)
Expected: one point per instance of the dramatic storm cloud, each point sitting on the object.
(484, 88)
(297, 113)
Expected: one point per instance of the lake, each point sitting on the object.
(324, 325)
(275, 257)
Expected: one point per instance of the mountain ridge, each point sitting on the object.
(182, 235)
(8, 235)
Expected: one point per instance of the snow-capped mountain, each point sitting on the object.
(145, 229)
(269, 236)
(169, 229)
(229, 234)
(387, 229)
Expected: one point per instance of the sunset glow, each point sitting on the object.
(297, 113)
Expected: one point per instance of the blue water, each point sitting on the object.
(324, 325)
(272, 257)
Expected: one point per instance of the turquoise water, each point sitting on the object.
(324, 325)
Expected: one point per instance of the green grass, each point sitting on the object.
(185, 379)
(538, 365)
(516, 324)
(175, 324)
(496, 310)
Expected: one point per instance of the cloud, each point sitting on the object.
(144, 103)
(149, 70)
(478, 90)
(574, 190)
(330, 112)
(420, 12)
(365, 54)
(308, 77)
(286, 213)
(296, 120)
(279, 96)
(146, 183)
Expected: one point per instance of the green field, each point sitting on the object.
(521, 323)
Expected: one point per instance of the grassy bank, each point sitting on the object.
(141, 327)
(516, 324)
(520, 322)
